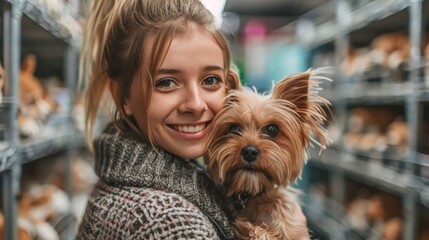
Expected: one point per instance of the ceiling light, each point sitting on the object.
(216, 8)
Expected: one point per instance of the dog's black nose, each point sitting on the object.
(249, 153)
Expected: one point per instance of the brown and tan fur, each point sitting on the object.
(257, 146)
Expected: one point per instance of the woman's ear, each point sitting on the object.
(113, 86)
(233, 81)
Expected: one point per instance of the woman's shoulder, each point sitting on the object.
(144, 213)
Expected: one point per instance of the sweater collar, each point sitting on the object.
(122, 161)
(129, 162)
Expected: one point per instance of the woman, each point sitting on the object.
(167, 68)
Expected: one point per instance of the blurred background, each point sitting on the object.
(371, 183)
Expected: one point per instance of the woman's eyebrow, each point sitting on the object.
(176, 71)
(213, 67)
(168, 71)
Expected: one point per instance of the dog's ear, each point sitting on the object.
(29, 64)
(294, 89)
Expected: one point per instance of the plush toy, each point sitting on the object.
(381, 208)
(356, 215)
(39, 205)
(35, 103)
(393, 228)
(389, 54)
(365, 128)
(24, 228)
(356, 62)
(397, 135)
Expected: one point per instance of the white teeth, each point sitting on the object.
(190, 129)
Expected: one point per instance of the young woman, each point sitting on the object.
(167, 69)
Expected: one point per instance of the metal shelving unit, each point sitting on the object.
(365, 171)
(29, 27)
(345, 93)
(352, 20)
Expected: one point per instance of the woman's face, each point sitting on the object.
(189, 90)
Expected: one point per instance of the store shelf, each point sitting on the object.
(422, 182)
(368, 172)
(51, 141)
(373, 11)
(423, 96)
(53, 36)
(357, 19)
(46, 35)
(325, 222)
(359, 92)
(424, 196)
(51, 22)
(50, 144)
(8, 156)
(402, 176)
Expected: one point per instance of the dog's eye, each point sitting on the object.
(271, 130)
(235, 128)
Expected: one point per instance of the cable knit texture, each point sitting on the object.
(147, 194)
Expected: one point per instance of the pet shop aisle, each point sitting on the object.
(41, 137)
(372, 182)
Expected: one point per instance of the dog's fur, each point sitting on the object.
(272, 132)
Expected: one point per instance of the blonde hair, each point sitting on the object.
(115, 37)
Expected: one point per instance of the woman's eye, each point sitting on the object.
(271, 130)
(211, 81)
(235, 128)
(165, 84)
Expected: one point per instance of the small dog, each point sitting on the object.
(257, 146)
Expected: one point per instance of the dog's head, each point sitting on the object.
(258, 141)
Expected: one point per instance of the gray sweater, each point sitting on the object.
(147, 194)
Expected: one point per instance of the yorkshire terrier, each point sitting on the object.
(257, 145)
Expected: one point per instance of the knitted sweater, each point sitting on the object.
(147, 194)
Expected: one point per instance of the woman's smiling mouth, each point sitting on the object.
(194, 128)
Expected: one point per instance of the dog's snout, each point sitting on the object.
(249, 153)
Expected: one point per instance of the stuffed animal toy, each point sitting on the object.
(35, 103)
(39, 205)
(356, 62)
(397, 135)
(393, 228)
(388, 52)
(24, 228)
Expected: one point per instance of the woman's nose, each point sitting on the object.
(193, 102)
